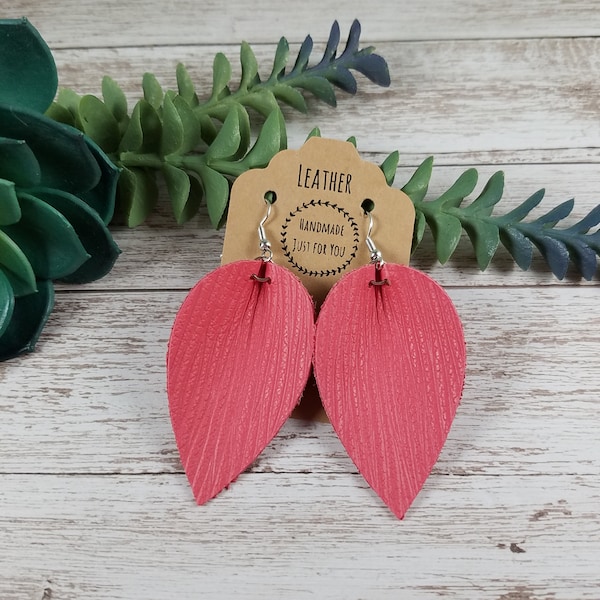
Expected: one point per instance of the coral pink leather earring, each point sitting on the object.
(390, 364)
(238, 360)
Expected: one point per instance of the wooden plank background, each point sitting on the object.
(93, 500)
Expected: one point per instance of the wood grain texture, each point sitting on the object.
(506, 96)
(94, 502)
(329, 536)
(74, 24)
(390, 367)
(162, 255)
(94, 392)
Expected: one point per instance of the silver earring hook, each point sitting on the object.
(263, 242)
(376, 257)
(266, 255)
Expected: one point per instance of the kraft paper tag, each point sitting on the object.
(317, 226)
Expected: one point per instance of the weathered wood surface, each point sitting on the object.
(499, 98)
(112, 23)
(93, 501)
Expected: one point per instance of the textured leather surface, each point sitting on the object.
(239, 357)
(390, 366)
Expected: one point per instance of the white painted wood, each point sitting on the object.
(93, 502)
(162, 255)
(326, 536)
(95, 390)
(451, 97)
(75, 23)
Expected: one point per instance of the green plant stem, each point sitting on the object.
(132, 159)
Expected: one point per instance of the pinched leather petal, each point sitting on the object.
(239, 358)
(390, 366)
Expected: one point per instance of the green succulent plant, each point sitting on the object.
(59, 171)
(201, 146)
(57, 190)
(447, 218)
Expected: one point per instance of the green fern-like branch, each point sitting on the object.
(199, 147)
(447, 217)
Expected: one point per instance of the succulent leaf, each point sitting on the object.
(267, 144)
(192, 129)
(280, 61)
(7, 303)
(518, 245)
(47, 239)
(102, 196)
(485, 237)
(151, 128)
(18, 163)
(416, 187)
(115, 99)
(263, 101)
(61, 151)
(153, 92)
(99, 123)
(221, 76)
(91, 231)
(172, 128)
(519, 213)
(178, 187)
(29, 316)
(447, 230)
(320, 87)
(332, 44)
(138, 193)
(10, 211)
(16, 267)
(216, 192)
(225, 146)
(185, 86)
(69, 100)
(60, 113)
(28, 76)
(290, 96)
(389, 166)
(457, 192)
(249, 67)
(133, 138)
(303, 55)
(491, 194)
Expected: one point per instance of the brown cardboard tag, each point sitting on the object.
(317, 226)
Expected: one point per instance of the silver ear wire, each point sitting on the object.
(375, 253)
(263, 242)
(376, 257)
(265, 249)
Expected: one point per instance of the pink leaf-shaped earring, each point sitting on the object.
(239, 358)
(390, 365)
